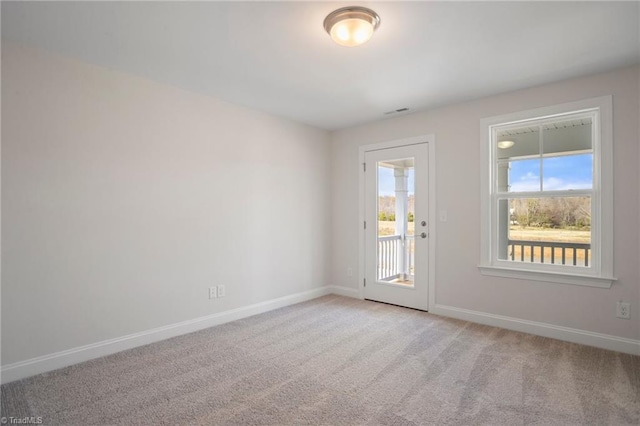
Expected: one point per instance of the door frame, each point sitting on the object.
(430, 140)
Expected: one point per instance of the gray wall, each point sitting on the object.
(458, 281)
(123, 200)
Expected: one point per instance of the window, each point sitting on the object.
(547, 201)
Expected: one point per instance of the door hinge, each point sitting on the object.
(365, 224)
(364, 281)
(364, 167)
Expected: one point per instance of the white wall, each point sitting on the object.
(123, 200)
(458, 281)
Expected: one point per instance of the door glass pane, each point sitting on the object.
(410, 245)
(555, 230)
(395, 213)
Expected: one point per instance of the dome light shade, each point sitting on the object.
(505, 144)
(351, 26)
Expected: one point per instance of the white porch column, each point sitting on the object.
(402, 208)
(504, 215)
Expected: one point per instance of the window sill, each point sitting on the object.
(524, 274)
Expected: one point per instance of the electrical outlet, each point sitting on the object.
(623, 310)
(222, 292)
(213, 292)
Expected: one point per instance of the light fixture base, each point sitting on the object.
(352, 25)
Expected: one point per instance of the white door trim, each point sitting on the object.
(430, 140)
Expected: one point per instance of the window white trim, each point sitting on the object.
(600, 274)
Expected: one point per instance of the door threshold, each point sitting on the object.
(399, 306)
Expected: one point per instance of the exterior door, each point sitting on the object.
(397, 226)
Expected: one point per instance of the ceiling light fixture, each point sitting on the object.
(505, 144)
(351, 26)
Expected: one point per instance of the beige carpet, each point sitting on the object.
(340, 361)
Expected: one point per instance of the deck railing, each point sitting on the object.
(549, 252)
(396, 257)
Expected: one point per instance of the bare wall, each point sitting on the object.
(458, 281)
(123, 200)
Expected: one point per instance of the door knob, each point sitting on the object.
(423, 235)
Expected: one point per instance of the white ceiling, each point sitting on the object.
(276, 57)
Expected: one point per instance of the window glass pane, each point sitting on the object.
(521, 142)
(518, 154)
(568, 172)
(552, 230)
(524, 175)
(564, 136)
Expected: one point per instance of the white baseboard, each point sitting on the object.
(344, 291)
(574, 335)
(42, 364)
